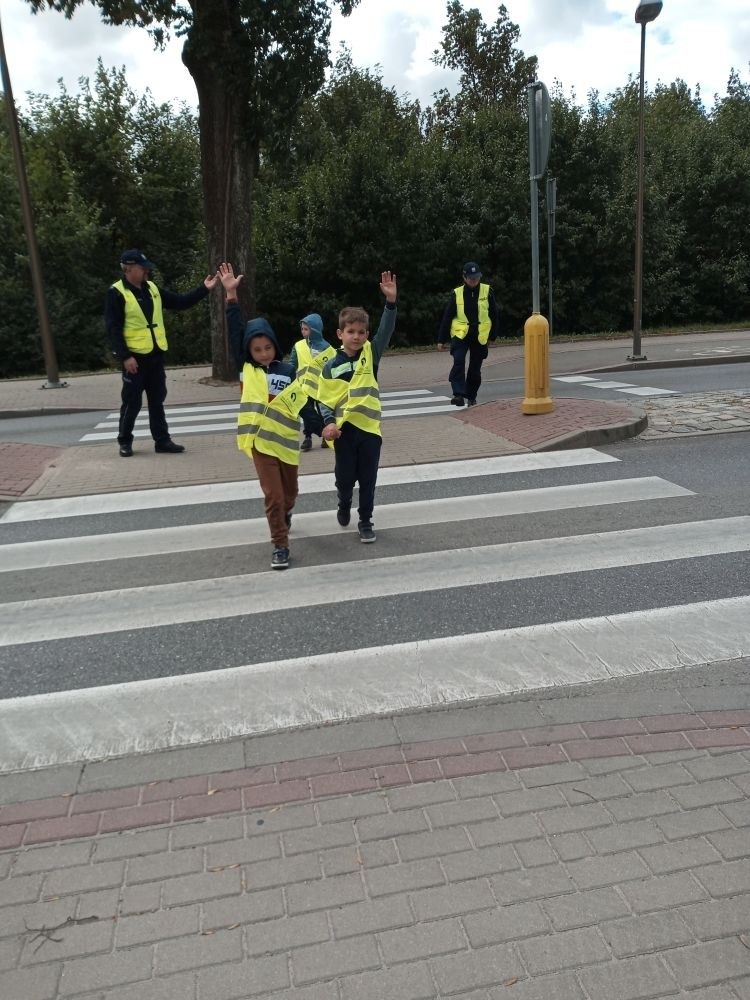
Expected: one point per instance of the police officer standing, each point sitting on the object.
(133, 315)
(469, 321)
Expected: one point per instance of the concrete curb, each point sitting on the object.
(630, 366)
(590, 437)
(43, 411)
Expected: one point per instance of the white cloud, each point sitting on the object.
(586, 44)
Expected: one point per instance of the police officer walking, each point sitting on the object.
(133, 315)
(469, 321)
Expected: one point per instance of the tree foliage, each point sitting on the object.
(253, 64)
(354, 178)
(101, 178)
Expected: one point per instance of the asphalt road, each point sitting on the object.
(69, 429)
(456, 591)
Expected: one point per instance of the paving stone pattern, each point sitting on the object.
(609, 873)
(697, 413)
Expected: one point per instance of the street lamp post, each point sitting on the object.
(646, 11)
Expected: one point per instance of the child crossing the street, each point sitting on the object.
(268, 421)
(349, 400)
(307, 358)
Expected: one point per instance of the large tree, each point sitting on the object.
(493, 69)
(253, 63)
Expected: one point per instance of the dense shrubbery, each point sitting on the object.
(369, 180)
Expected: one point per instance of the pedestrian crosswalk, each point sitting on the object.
(151, 618)
(627, 388)
(213, 418)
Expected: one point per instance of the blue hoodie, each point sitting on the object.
(279, 372)
(316, 341)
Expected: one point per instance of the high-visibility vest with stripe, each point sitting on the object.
(136, 330)
(358, 401)
(309, 367)
(270, 427)
(460, 324)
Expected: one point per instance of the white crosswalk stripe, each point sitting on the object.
(169, 630)
(627, 388)
(214, 417)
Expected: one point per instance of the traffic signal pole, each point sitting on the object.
(536, 329)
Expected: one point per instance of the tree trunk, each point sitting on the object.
(227, 160)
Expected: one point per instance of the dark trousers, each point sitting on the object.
(151, 379)
(357, 458)
(466, 383)
(312, 422)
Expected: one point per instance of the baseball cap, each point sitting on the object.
(472, 270)
(137, 257)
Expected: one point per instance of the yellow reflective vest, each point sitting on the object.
(270, 427)
(357, 401)
(136, 331)
(460, 324)
(309, 367)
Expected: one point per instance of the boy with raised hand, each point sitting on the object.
(349, 401)
(307, 358)
(268, 420)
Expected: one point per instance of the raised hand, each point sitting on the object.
(228, 278)
(388, 286)
(210, 281)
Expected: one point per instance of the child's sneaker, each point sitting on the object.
(306, 443)
(343, 516)
(280, 558)
(366, 532)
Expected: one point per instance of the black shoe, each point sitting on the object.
(280, 558)
(457, 400)
(366, 532)
(306, 443)
(168, 447)
(323, 443)
(288, 518)
(126, 450)
(471, 402)
(343, 516)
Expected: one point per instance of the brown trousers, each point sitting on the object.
(278, 480)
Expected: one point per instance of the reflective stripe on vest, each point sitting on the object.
(356, 402)
(272, 428)
(460, 324)
(309, 367)
(136, 331)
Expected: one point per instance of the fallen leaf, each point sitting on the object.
(744, 941)
(511, 982)
(212, 791)
(233, 927)
(275, 809)
(207, 933)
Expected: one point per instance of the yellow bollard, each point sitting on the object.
(536, 365)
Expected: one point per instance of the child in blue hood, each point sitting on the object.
(268, 421)
(308, 357)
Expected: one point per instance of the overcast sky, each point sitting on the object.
(585, 44)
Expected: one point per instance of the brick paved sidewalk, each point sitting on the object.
(588, 859)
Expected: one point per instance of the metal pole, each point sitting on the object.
(533, 170)
(551, 184)
(638, 296)
(535, 245)
(48, 344)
